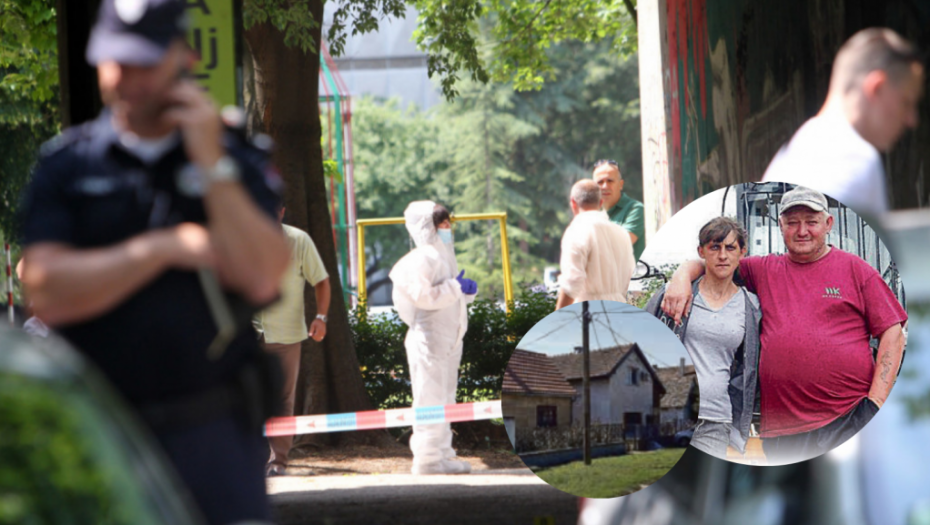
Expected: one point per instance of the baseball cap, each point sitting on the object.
(801, 196)
(135, 32)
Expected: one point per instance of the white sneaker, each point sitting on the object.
(445, 466)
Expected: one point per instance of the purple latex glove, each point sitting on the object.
(469, 287)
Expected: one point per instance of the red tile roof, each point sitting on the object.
(534, 373)
(602, 362)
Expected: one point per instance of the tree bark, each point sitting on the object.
(286, 97)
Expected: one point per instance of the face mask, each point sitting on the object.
(445, 236)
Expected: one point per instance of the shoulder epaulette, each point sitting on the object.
(64, 139)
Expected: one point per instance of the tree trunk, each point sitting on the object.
(285, 95)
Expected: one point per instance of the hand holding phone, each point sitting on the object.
(192, 111)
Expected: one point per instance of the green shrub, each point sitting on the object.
(489, 342)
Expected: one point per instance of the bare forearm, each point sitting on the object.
(563, 300)
(689, 271)
(887, 363)
(68, 285)
(323, 292)
(250, 247)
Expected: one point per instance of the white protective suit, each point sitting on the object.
(430, 301)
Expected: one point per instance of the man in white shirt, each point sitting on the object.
(875, 87)
(597, 255)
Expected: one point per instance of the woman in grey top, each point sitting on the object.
(721, 332)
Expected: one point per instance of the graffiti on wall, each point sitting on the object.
(734, 97)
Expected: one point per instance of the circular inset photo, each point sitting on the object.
(792, 311)
(599, 399)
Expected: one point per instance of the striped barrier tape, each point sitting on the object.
(378, 419)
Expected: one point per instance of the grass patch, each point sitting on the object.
(612, 477)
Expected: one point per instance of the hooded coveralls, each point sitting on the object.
(430, 301)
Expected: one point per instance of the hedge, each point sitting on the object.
(489, 342)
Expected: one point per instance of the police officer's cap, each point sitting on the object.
(135, 32)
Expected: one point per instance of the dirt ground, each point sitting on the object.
(363, 459)
(484, 445)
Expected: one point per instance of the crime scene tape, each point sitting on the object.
(377, 419)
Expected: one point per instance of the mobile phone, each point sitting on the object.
(183, 73)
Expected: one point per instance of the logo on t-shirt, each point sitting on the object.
(832, 293)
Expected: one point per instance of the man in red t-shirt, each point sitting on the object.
(820, 307)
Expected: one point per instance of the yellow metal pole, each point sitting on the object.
(360, 224)
(380, 222)
(362, 284)
(478, 216)
(505, 259)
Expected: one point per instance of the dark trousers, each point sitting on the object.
(223, 465)
(289, 354)
(800, 447)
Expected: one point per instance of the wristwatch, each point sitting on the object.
(321, 317)
(225, 170)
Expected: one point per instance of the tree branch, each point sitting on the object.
(632, 10)
(530, 23)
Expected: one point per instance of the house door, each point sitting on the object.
(631, 423)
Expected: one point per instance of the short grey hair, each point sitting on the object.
(586, 194)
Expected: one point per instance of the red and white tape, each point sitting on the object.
(377, 419)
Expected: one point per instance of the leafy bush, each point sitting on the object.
(653, 284)
(489, 342)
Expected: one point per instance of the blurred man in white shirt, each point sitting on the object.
(875, 87)
(597, 255)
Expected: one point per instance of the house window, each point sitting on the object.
(546, 416)
(632, 377)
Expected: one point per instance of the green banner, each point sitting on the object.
(213, 36)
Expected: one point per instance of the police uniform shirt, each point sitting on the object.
(88, 191)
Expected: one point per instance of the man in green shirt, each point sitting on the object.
(622, 209)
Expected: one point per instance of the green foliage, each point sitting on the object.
(379, 344)
(651, 285)
(291, 17)
(395, 162)
(496, 150)
(478, 140)
(28, 60)
(331, 170)
(55, 466)
(364, 16)
(483, 40)
(489, 342)
(28, 95)
(509, 41)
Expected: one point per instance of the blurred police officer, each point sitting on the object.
(121, 215)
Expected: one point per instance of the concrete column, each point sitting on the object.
(655, 100)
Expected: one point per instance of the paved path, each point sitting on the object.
(489, 497)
